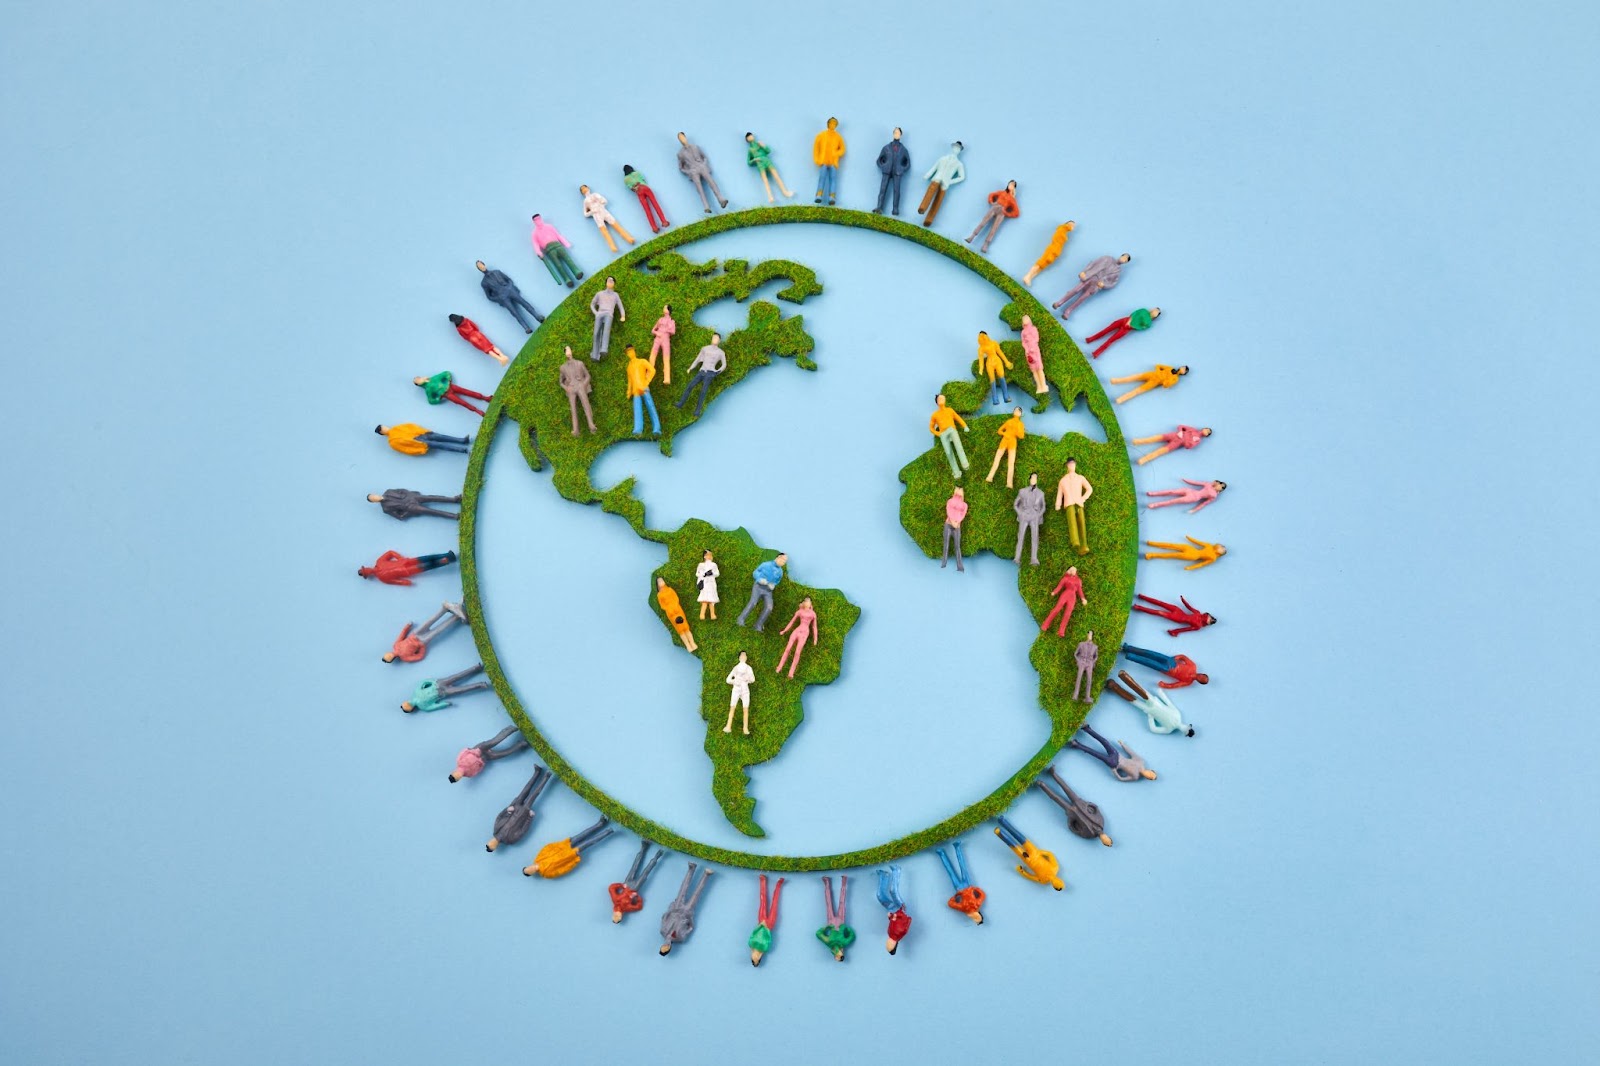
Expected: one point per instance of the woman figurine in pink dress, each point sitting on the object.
(663, 330)
(1030, 350)
(804, 623)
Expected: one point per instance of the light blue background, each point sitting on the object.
(231, 237)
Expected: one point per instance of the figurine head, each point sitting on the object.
(660, 582)
(419, 381)
(568, 351)
(1211, 619)
(456, 320)
(536, 218)
(626, 169)
(1072, 464)
(1011, 186)
(1016, 412)
(1072, 570)
(382, 430)
(1033, 479)
(1181, 371)
(955, 147)
(1070, 225)
(373, 497)
(782, 559)
(706, 554)
(749, 137)
(1222, 549)
(584, 189)
(1027, 320)
(1219, 485)
(1090, 636)
(481, 268)
(1206, 432)
(806, 602)
(1155, 312)
(1202, 679)
(1124, 258)
(939, 399)
(666, 309)
(744, 656)
(630, 352)
(716, 338)
(611, 282)
(896, 134)
(833, 123)
(683, 138)
(983, 334)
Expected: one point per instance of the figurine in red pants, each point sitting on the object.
(1068, 593)
(392, 568)
(474, 336)
(442, 386)
(1189, 620)
(647, 198)
(1139, 320)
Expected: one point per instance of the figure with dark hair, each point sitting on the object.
(408, 503)
(434, 695)
(500, 289)
(392, 568)
(640, 185)
(1083, 818)
(1159, 711)
(1101, 274)
(693, 164)
(1189, 620)
(1125, 765)
(677, 924)
(1002, 205)
(442, 386)
(625, 895)
(513, 823)
(893, 162)
(470, 333)
(408, 438)
(560, 857)
(1180, 668)
(577, 384)
(835, 934)
(758, 155)
(551, 248)
(605, 305)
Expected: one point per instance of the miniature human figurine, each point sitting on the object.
(625, 895)
(560, 857)
(672, 607)
(693, 164)
(1197, 553)
(1124, 766)
(577, 384)
(705, 584)
(470, 333)
(513, 823)
(1038, 865)
(1201, 494)
(1083, 818)
(594, 206)
(392, 568)
(805, 624)
(1031, 354)
(1029, 506)
(605, 305)
(678, 922)
(968, 898)
(767, 576)
(835, 934)
(945, 172)
(1072, 493)
(1186, 437)
(759, 156)
(827, 149)
(472, 761)
(640, 373)
(1180, 668)
(442, 386)
(640, 185)
(1085, 656)
(408, 438)
(1051, 253)
(411, 646)
(741, 677)
(551, 248)
(955, 512)
(500, 289)
(708, 363)
(942, 424)
(766, 920)
(1161, 376)
(1068, 593)
(1101, 274)
(1189, 620)
(661, 345)
(895, 904)
(1120, 328)
(434, 695)
(893, 162)
(1002, 205)
(1011, 431)
(1159, 711)
(993, 363)
(408, 503)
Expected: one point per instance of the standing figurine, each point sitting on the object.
(760, 941)
(1002, 205)
(1038, 865)
(945, 172)
(513, 823)
(1185, 437)
(672, 607)
(893, 162)
(955, 512)
(1124, 766)
(1180, 668)
(835, 934)
(759, 156)
(1072, 493)
(640, 373)
(767, 576)
(605, 305)
(1032, 355)
(1068, 593)
(1197, 553)
(968, 898)
(470, 333)
(805, 624)
(551, 248)
(662, 333)
(625, 896)
(707, 364)
(1101, 274)
(442, 386)
(411, 646)
(893, 902)
(741, 677)
(1160, 713)
(1083, 818)
(472, 761)
(434, 695)
(705, 584)
(942, 424)
(594, 206)
(693, 164)
(1189, 620)
(1085, 656)
(992, 362)
(640, 185)
(1051, 253)
(500, 289)
(678, 922)
(392, 568)
(1161, 376)
(408, 438)
(577, 384)
(1120, 328)
(1029, 507)
(1201, 494)
(408, 503)
(560, 857)
(1011, 431)
(827, 149)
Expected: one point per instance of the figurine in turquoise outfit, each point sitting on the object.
(434, 695)
(835, 934)
(759, 156)
(1159, 711)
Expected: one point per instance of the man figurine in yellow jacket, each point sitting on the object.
(1162, 376)
(1197, 553)
(826, 151)
(993, 363)
(1011, 431)
(561, 857)
(641, 372)
(942, 424)
(408, 438)
(1038, 866)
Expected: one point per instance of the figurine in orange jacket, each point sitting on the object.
(1011, 431)
(826, 152)
(672, 607)
(1038, 865)
(1052, 252)
(1002, 205)
(993, 363)
(1197, 553)
(1162, 376)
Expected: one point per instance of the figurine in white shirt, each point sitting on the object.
(740, 678)
(594, 206)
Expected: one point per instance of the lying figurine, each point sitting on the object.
(470, 762)
(678, 922)
(968, 898)
(760, 941)
(1160, 712)
(1037, 865)
(513, 823)
(625, 897)
(1083, 818)
(434, 695)
(561, 857)
(1124, 766)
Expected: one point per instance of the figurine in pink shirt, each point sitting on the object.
(1069, 593)
(805, 625)
(1185, 437)
(1202, 493)
(955, 510)
(1030, 352)
(551, 248)
(662, 331)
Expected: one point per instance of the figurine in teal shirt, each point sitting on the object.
(434, 695)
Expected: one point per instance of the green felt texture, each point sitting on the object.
(650, 275)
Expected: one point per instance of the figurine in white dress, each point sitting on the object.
(705, 581)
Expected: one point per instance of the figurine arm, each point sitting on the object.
(622, 310)
(1088, 490)
(790, 626)
(959, 176)
(962, 422)
(816, 629)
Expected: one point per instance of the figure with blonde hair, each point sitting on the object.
(1197, 553)
(594, 206)
(1011, 431)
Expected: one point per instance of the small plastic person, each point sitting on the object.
(434, 694)
(707, 364)
(1085, 655)
(560, 857)
(392, 568)
(1002, 205)
(625, 896)
(992, 362)
(1124, 766)
(1072, 493)
(672, 607)
(661, 342)
(577, 384)
(472, 761)
(470, 333)
(705, 585)
(1200, 493)
(1101, 274)
(1141, 319)
(1068, 593)
(640, 373)
(1197, 553)
(942, 424)
(594, 206)
(1052, 252)
(759, 156)
(1185, 437)
(640, 185)
(1029, 507)
(408, 503)
(693, 164)
(408, 438)
(767, 576)
(500, 289)
(551, 248)
(1189, 620)
(968, 898)
(1011, 431)
(1083, 818)
(411, 646)
(893, 162)
(741, 677)
(605, 305)
(1032, 355)
(827, 149)
(442, 386)
(946, 171)
(1180, 668)
(955, 512)
(1161, 376)
(895, 904)
(1038, 865)
(766, 920)
(835, 934)
(1161, 714)
(678, 922)
(513, 823)
(805, 624)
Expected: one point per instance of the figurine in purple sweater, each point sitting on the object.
(1100, 275)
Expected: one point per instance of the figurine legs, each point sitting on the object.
(606, 234)
(1114, 333)
(951, 533)
(758, 592)
(621, 231)
(433, 562)
(991, 218)
(516, 305)
(652, 208)
(1147, 658)
(446, 443)
(664, 347)
(953, 450)
(702, 380)
(641, 403)
(1077, 529)
(779, 179)
(1182, 494)
(1064, 607)
(827, 183)
(1076, 295)
(929, 208)
(1158, 453)
(740, 695)
(562, 268)
(1022, 532)
(1085, 682)
(601, 343)
(1010, 455)
(997, 389)
(575, 398)
(797, 643)
(765, 184)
